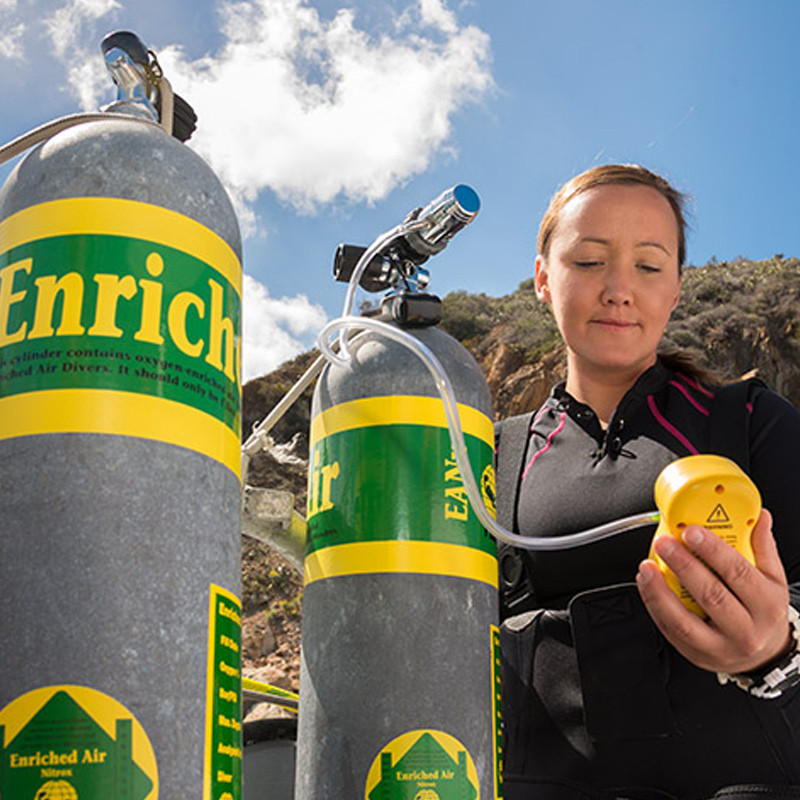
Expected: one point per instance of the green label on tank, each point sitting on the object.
(74, 743)
(422, 765)
(109, 312)
(223, 773)
(395, 482)
(497, 720)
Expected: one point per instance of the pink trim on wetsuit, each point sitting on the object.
(691, 399)
(670, 427)
(694, 385)
(547, 444)
(539, 415)
(749, 407)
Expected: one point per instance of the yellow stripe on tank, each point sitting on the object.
(132, 219)
(123, 414)
(398, 410)
(425, 558)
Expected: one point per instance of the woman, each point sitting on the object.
(612, 687)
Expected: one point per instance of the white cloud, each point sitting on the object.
(272, 328)
(313, 109)
(65, 26)
(11, 31)
(89, 80)
(70, 28)
(436, 13)
(11, 40)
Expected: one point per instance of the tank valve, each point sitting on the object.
(141, 83)
(397, 267)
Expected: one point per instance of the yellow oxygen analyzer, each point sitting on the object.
(710, 491)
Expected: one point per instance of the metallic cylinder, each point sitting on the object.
(120, 287)
(398, 680)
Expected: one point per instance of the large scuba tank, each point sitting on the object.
(120, 285)
(399, 675)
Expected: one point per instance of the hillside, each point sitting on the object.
(734, 317)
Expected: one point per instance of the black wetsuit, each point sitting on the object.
(594, 696)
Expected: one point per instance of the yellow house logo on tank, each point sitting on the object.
(134, 303)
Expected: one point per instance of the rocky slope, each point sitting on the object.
(734, 317)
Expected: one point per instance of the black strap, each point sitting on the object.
(511, 441)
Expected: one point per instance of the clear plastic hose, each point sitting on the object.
(347, 322)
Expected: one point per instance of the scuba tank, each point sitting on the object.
(120, 287)
(400, 662)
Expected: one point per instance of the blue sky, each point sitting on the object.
(329, 120)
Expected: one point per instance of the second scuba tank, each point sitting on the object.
(399, 676)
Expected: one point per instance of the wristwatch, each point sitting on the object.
(772, 681)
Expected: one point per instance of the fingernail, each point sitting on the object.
(693, 536)
(665, 545)
(644, 576)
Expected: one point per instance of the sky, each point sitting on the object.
(328, 121)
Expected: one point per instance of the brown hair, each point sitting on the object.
(619, 175)
(688, 364)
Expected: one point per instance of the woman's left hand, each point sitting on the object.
(747, 625)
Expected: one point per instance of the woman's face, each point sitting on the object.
(611, 277)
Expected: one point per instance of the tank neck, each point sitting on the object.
(131, 108)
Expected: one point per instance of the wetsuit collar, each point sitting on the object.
(650, 381)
